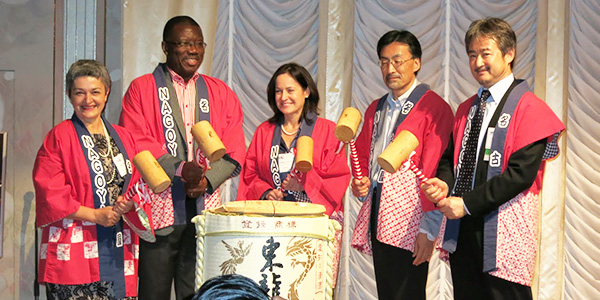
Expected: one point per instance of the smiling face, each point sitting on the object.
(398, 78)
(488, 64)
(184, 60)
(289, 96)
(88, 97)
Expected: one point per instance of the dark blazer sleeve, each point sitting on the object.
(445, 170)
(519, 175)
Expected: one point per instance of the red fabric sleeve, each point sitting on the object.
(227, 117)
(363, 141)
(255, 178)
(56, 197)
(328, 180)
(431, 122)
(141, 116)
(528, 127)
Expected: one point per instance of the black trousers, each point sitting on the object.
(171, 257)
(469, 280)
(396, 276)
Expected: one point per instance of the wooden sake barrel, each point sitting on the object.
(289, 243)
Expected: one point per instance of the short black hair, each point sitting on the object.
(187, 20)
(495, 29)
(230, 287)
(401, 36)
(301, 75)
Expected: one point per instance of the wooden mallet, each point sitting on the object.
(304, 157)
(398, 151)
(152, 173)
(345, 131)
(304, 154)
(208, 141)
(157, 180)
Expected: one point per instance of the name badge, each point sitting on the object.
(119, 239)
(119, 162)
(488, 143)
(379, 176)
(286, 160)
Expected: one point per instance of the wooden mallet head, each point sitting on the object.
(398, 151)
(347, 124)
(304, 154)
(152, 173)
(208, 141)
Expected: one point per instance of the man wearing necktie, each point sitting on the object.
(490, 176)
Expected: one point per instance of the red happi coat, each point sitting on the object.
(402, 203)
(325, 184)
(517, 226)
(142, 115)
(141, 101)
(62, 184)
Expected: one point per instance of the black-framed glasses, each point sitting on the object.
(396, 62)
(187, 45)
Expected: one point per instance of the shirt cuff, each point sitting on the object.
(179, 170)
(430, 224)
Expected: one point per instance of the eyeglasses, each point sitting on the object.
(397, 62)
(187, 45)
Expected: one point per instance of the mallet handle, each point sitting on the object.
(356, 170)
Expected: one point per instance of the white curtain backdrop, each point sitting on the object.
(254, 37)
(143, 24)
(440, 27)
(427, 20)
(582, 207)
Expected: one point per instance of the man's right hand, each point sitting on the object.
(360, 187)
(106, 216)
(195, 191)
(435, 189)
(192, 173)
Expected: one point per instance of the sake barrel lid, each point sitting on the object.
(272, 208)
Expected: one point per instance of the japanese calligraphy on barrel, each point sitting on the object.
(287, 255)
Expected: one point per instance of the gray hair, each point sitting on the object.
(87, 67)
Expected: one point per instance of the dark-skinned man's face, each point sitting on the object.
(181, 58)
